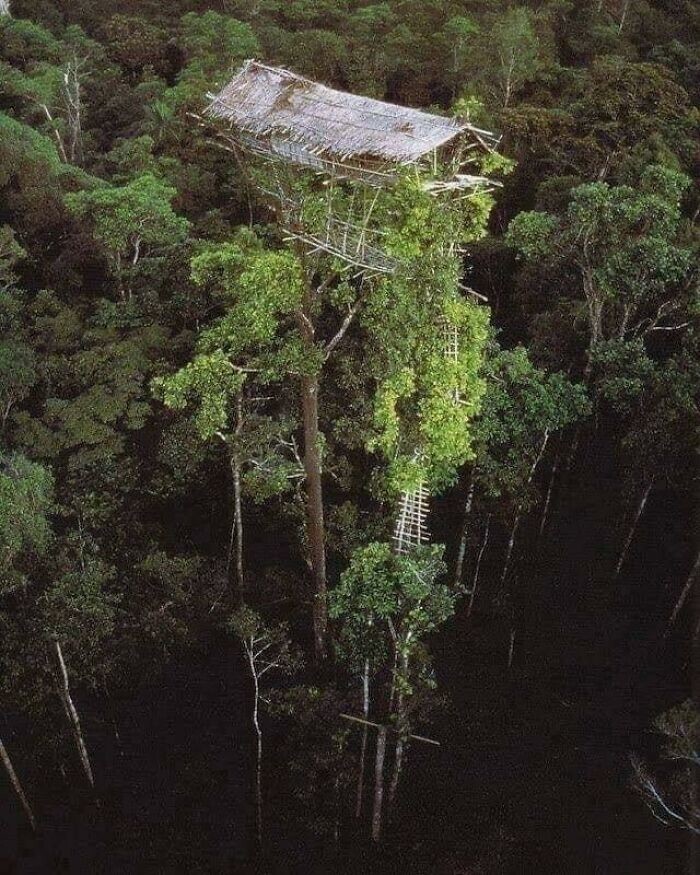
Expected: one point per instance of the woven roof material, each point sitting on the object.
(267, 101)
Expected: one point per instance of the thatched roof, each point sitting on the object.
(268, 102)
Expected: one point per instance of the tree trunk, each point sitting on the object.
(623, 16)
(4, 7)
(363, 749)
(378, 784)
(516, 521)
(475, 581)
(633, 529)
(314, 507)
(236, 540)
(511, 544)
(550, 490)
(14, 780)
(396, 773)
(511, 649)
(72, 98)
(685, 592)
(258, 753)
(72, 715)
(462, 549)
(401, 726)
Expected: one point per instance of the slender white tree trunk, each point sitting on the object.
(401, 722)
(685, 592)
(363, 749)
(379, 784)
(4, 7)
(72, 715)
(73, 102)
(633, 528)
(516, 521)
(235, 550)
(623, 16)
(482, 550)
(550, 490)
(511, 544)
(259, 750)
(462, 549)
(14, 780)
(511, 648)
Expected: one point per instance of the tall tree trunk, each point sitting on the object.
(72, 99)
(258, 752)
(685, 592)
(363, 749)
(237, 580)
(396, 772)
(72, 714)
(633, 529)
(314, 506)
(475, 581)
(462, 549)
(511, 648)
(14, 780)
(401, 722)
(511, 544)
(516, 521)
(235, 552)
(623, 16)
(550, 490)
(378, 784)
(4, 7)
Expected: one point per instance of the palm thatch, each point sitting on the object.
(275, 111)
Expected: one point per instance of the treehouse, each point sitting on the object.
(295, 123)
(287, 118)
(354, 147)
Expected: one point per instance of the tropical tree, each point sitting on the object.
(622, 244)
(388, 604)
(266, 649)
(130, 221)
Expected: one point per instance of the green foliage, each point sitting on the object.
(624, 244)
(126, 218)
(212, 382)
(522, 404)
(381, 587)
(426, 397)
(26, 499)
(216, 43)
(111, 506)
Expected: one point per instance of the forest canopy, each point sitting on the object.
(207, 434)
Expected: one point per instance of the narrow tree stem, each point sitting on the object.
(315, 513)
(378, 784)
(363, 749)
(633, 529)
(14, 780)
(72, 714)
(462, 549)
(475, 581)
(258, 749)
(685, 592)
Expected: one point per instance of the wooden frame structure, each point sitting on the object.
(293, 123)
(355, 145)
(411, 529)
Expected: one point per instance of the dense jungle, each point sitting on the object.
(213, 656)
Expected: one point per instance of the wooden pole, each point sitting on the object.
(389, 729)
